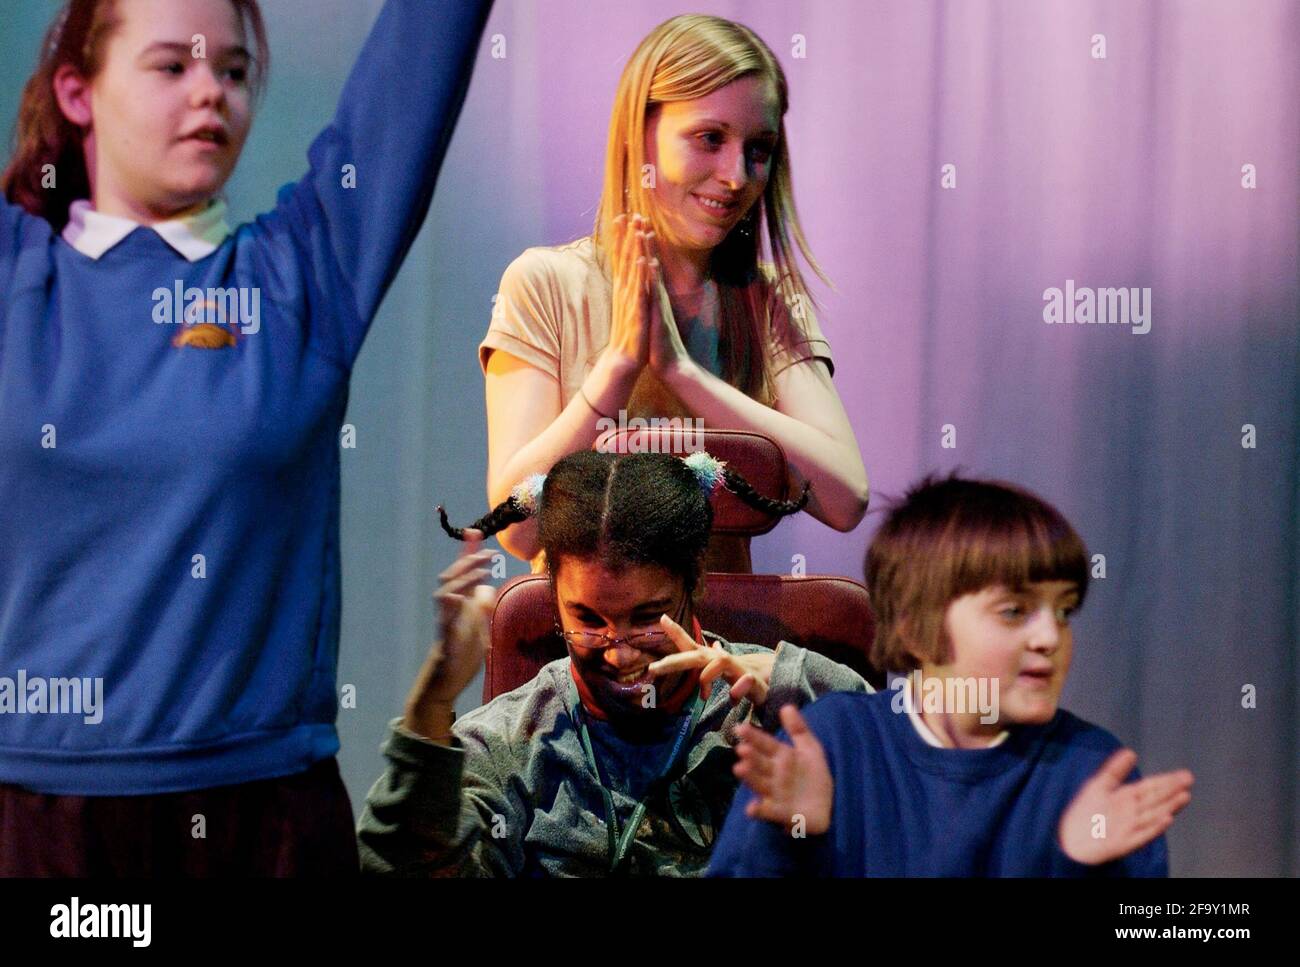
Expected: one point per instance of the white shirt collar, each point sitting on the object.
(925, 732)
(195, 237)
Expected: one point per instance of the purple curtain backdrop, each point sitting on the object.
(1122, 171)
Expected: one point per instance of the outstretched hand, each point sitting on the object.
(789, 781)
(749, 675)
(1109, 818)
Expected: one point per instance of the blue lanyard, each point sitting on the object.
(621, 842)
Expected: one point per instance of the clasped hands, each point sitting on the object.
(643, 329)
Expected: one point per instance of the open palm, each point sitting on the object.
(790, 781)
(1109, 818)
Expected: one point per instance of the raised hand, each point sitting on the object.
(1108, 818)
(789, 781)
(749, 675)
(464, 610)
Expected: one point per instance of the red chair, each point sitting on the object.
(827, 614)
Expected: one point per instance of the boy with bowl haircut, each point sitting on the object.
(973, 584)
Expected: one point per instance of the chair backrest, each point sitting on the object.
(826, 614)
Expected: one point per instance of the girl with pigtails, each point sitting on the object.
(170, 474)
(686, 301)
(616, 759)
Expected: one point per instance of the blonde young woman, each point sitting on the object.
(667, 309)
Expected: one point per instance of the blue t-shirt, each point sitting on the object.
(169, 516)
(903, 807)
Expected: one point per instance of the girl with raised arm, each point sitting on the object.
(171, 393)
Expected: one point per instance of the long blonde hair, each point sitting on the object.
(687, 57)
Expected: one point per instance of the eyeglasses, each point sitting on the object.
(643, 640)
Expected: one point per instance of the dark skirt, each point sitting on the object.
(298, 825)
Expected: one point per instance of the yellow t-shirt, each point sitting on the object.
(553, 311)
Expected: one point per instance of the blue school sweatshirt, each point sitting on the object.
(169, 514)
(905, 808)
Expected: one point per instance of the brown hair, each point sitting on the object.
(44, 136)
(949, 537)
(687, 57)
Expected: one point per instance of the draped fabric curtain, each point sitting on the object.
(964, 171)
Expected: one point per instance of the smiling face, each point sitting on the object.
(715, 147)
(165, 128)
(1022, 638)
(593, 599)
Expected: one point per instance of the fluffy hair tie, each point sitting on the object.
(709, 471)
(527, 494)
